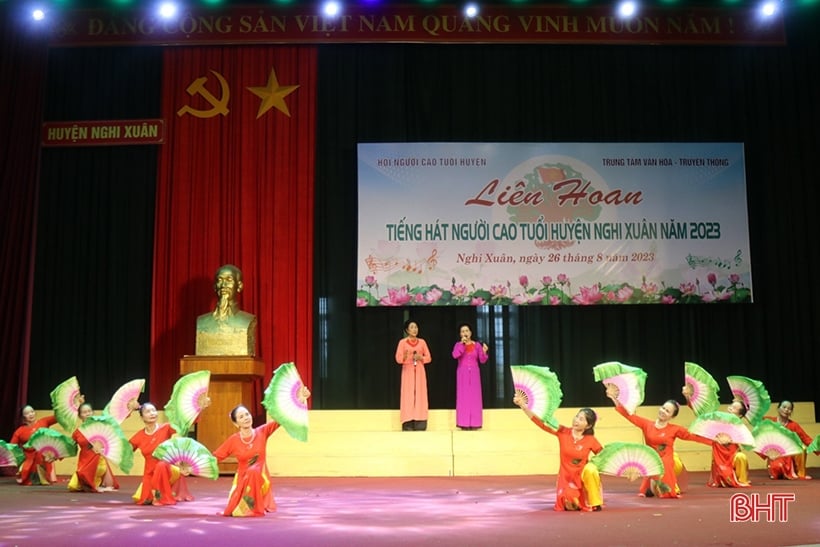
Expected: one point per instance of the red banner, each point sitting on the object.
(441, 24)
(235, 186)
(103, 133)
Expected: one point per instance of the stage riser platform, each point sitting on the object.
(370, 443)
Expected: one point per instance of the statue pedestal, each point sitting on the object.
(232, 383)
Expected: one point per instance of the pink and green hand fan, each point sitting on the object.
(704, 389)
(106, 437)
(630, 460)
(772, 440)
(711, 424)
(629, 380)
(52, 444)
(540, 389)
(189, 455)
(284, 403)
(66, 400)
(188, 399)
(814, 446)
(11, 454)
(126, 396)
(753, 394)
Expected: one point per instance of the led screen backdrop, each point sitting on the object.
(552, 224)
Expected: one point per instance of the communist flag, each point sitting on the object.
(235, 186)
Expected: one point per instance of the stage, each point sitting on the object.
(411, 511)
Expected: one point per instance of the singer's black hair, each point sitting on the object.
(407, 324)
(472, 330)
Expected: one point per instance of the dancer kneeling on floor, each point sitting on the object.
(659, 434)
(789, 467)
(579, 485)
(162, 483)
(93, 470)
(251, 493)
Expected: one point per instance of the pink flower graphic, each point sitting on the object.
(498, 291)
(395, 297)
(688, 288)
(433, 295)
(588, 295)
(624, 293)
(459, 291)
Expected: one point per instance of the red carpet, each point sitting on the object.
(469, 511)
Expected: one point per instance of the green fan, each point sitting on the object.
(629, 380)
(711, 424)
(188, 399)
(541, 390)
(814, 446)
(704, 389)
(630, 460)
(772, 440)
(106, 437)
(52, 444)
(283, 402)
(127, 394)
(66, 400)
(189, 455)
(11, 454)
(751, 393)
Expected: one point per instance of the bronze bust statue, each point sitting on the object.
(226, 330)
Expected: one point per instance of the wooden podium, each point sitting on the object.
(232, 383)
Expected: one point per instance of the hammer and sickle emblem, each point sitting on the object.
(197, 87)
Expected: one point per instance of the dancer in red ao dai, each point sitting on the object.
(35, 468)
(251, 493)
(93, 470)
(659, 434)
(579, 484)
(162, 483)
(789, 467)
(730, 466)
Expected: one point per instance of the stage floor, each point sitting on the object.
(453, 511)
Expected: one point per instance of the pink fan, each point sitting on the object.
(11, 454)
(188, 399)
(66, 399)
(124, 400)
(774, 441)
(52, 444)
(751, 393)
(712, 424)
(629, 382)
(701, 389)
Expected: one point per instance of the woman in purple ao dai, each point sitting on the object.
(469, 354)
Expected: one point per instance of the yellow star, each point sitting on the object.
(273, 95)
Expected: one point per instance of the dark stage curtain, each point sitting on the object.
(95, 229)
(22, 71)
(762, 96)
(235, 188)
